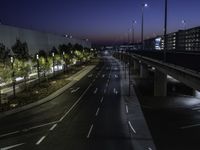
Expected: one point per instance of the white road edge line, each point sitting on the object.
(11, 133)
(53, 127)
(127, 109)
(131, 127)
(40, 140)
(12, 146)
(97, 112)
(104, 91)
(88, 135)
(75, 103)
(39, 126)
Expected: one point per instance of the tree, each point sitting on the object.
(2, 51)
(42, 53)
(45, 65)
(20, 49)
(5, 76)
(25, 70)
(69, 47)
(78, 47)
(63, 48)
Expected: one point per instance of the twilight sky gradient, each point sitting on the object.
(102, 21)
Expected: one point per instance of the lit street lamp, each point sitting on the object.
(13, 74)
(133, 33)
(53, 64)
(64, 64)
(184, 24)
(142, 28)
(38, 68)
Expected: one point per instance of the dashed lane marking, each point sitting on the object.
(95, 91)
(40, 140)
(53, 127)
(130, 125)
(127, 109)
(102, 99)
(97, 112)
(88, 135)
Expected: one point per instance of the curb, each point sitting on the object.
(74, 79)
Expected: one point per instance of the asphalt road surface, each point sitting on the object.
(90, 115)
(174, 122)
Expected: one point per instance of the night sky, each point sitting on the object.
(101, 21)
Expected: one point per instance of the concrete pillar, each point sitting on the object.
(144, 72)
(160, 83)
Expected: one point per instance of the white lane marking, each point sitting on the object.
(103, 75)
(53, 127)
(190, 126)
(97, 112)
(104, 91)
(75, 103)
(115, 91)
(95, 91)
(12, 146)
(102, 99)
(75, 90)
(149, 148)
(127, 109)
(40, 140)
(131, 127)
(107, 84)
(88, 135)
(39, 126)
(7, 134)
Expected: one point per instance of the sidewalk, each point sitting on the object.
(73, 80)
(141, 136)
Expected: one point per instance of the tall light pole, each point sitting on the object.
(64, 64)
(129, 32)
(133, 33)
(38, 67)
(165, 31)
(142, 28)
(13, 74)
(184, 24)
(53, 64)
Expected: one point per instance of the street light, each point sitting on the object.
(13, 74)
(133, 36)
(142, 28)
(64, 65)
(165, 31)
(184, 24)
(53, 64)
(129, 37)
(38, 67)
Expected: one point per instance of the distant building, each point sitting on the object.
(181, 40)
(36, 40)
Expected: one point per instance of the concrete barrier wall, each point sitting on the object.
(36, 40)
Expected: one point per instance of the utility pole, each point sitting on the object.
(165, 31)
